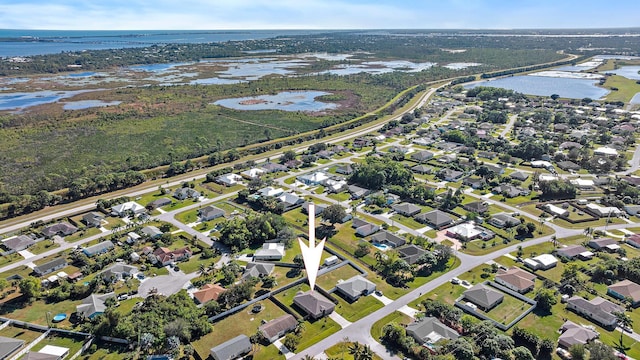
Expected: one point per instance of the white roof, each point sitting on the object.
(62, 274)
(270, 191)
(466, 230)
(582, 182)
(133, 235)
(53, 278)
(613, 247)
(253, 172)
(603, 209)
(54, 350)
(547, 177)
(541, 163)
(606, 151)
(530, 263)
(131, 205)
(587, 254)
(555, 209)
(546, 259)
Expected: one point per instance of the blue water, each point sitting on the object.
(215, 81)
(630, 72)
(286, 101)
(83, 74)
(22, 100)
(86, 104)
(156, 68)
(382, 247)
(635, 99)
(39, 42)
(547, 86)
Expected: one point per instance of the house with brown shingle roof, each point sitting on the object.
(313, 304)
(625, 289)
(208, 292)
(278, 327)
(516, 279)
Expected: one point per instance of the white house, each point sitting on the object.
(121, 210)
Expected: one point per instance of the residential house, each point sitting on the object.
(430, 330)
(510, 191)
(556, 210)
(207, 293)
(516, 279)
(228, 179)
(50, 266)
(270, 191)
(318, 208)
(574, 334)
(313, 304)
(274, 167)
(184, 193)
(568, 165)
(422, 169)
(483, 296)
(48, 352)
(519, 175)
(364, 228)
(355, 287)
(251, 174)
(313, 179)
(436, 218)
(541, 262)
(18, 243)
(232, 349)
(165, 256)
(151, 231)
(625, 290)
(572, 251)
(447, 158)
(290, 200)
(335, 185)
(93, 219)
(124, 209)
(411, 253)
(62, 228)
(496, 169)
(504, 220)
(345, 169)
(358, 192)
(634, 240)
(605, 151)
(270, 251)
(293, 164)
(450, 175)
(584, 184)
(257, 270)
(325, 154)
(387, 238)
(8, 346)
(474, 182)
(632, 210)
(210, 212)
(158, 203)
(469, 231)
(598, 309)
(278, 327)
(606, 244)
(93, 305)
(99, 248)
(603, 211)
(478, 207)
(422, 156)
(486, 154)
(119, 271)
(406, 209)
(568, 145)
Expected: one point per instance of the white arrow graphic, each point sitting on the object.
(313, 253)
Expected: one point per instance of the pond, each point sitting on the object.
(378, 67)
(630, 72)
(286, 101)
(635, 99)
(86, 104)
(23, 100)
(547, 86)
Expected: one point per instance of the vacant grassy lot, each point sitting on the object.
(358, 309)
(627, 88)
(395, 317)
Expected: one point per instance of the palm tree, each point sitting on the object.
(624, 321)
(589, 232)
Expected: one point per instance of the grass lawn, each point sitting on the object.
(37, 311)
(243, 322)
(407, 221)
(23, 271)
(341, 351)
(82, 234)
(194, 262)
(360, 308)
(627, 88)
(44, 246)
(107, 351)
(509, 309)
(72, 343)
(346, 239)
(15, 332)
(187, 217)
(329, 280)
(114, 222)
(395, 317)
(343, 196)
(316, 331)
(267, 353)
(8, 259)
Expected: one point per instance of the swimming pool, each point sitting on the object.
(382, 247)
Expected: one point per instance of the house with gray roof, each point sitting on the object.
(364, 228)
(318, 209)
(510, 191)
(9, 345)
(355, 287)
(597, 309)
(503, 220)
(483, 296)
(274, 167)
(422, 169)
(406, 209)
(119, 271)
(573, 334)
(278, 327)
(99, 248)
(313, 304)
(51, 266)
(387, 238)
(290, 200)
(430, 330)
(184, 193)
(151, 231)
(93, 305)
(158, 203)
(232, 349)
(519, 175)
(62, 228)
(573, 251)
(435, 218)
(18, 243)
(34, 355)
(358, 192)
(93, 219)
(411, 253)
(422, 156)
(477, 207)
(258, 270)
(210, 212)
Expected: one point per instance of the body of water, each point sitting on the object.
(547, 86)
(635, 99)
(630, 72)
(23, 100)
(286, 101)
(86, 104)
(40, 42)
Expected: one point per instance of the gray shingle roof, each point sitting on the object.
(429, 329)
(9, 345)
(436, 217)
(483, 296)
(356, 286)
(231, 349)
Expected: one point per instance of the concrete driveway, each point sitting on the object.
(166, 284)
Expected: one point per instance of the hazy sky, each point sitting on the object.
(315, 14)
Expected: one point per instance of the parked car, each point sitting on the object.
(455, 280)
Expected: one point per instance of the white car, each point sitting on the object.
(455, 280)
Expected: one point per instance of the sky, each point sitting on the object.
(315, 14)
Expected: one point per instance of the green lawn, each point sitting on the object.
(316, 331)
(508, 310)
(243, 322)
(267, 353)
(343, 196)
(107, 351)
(341, 351)
(82, 234)
(407, 221)
(329, 280)
(36, 312)
(627, 88)
(20, 333)
(395, 317)
(8, 259)
(360, 308)
(43, 246)
(72, 343)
